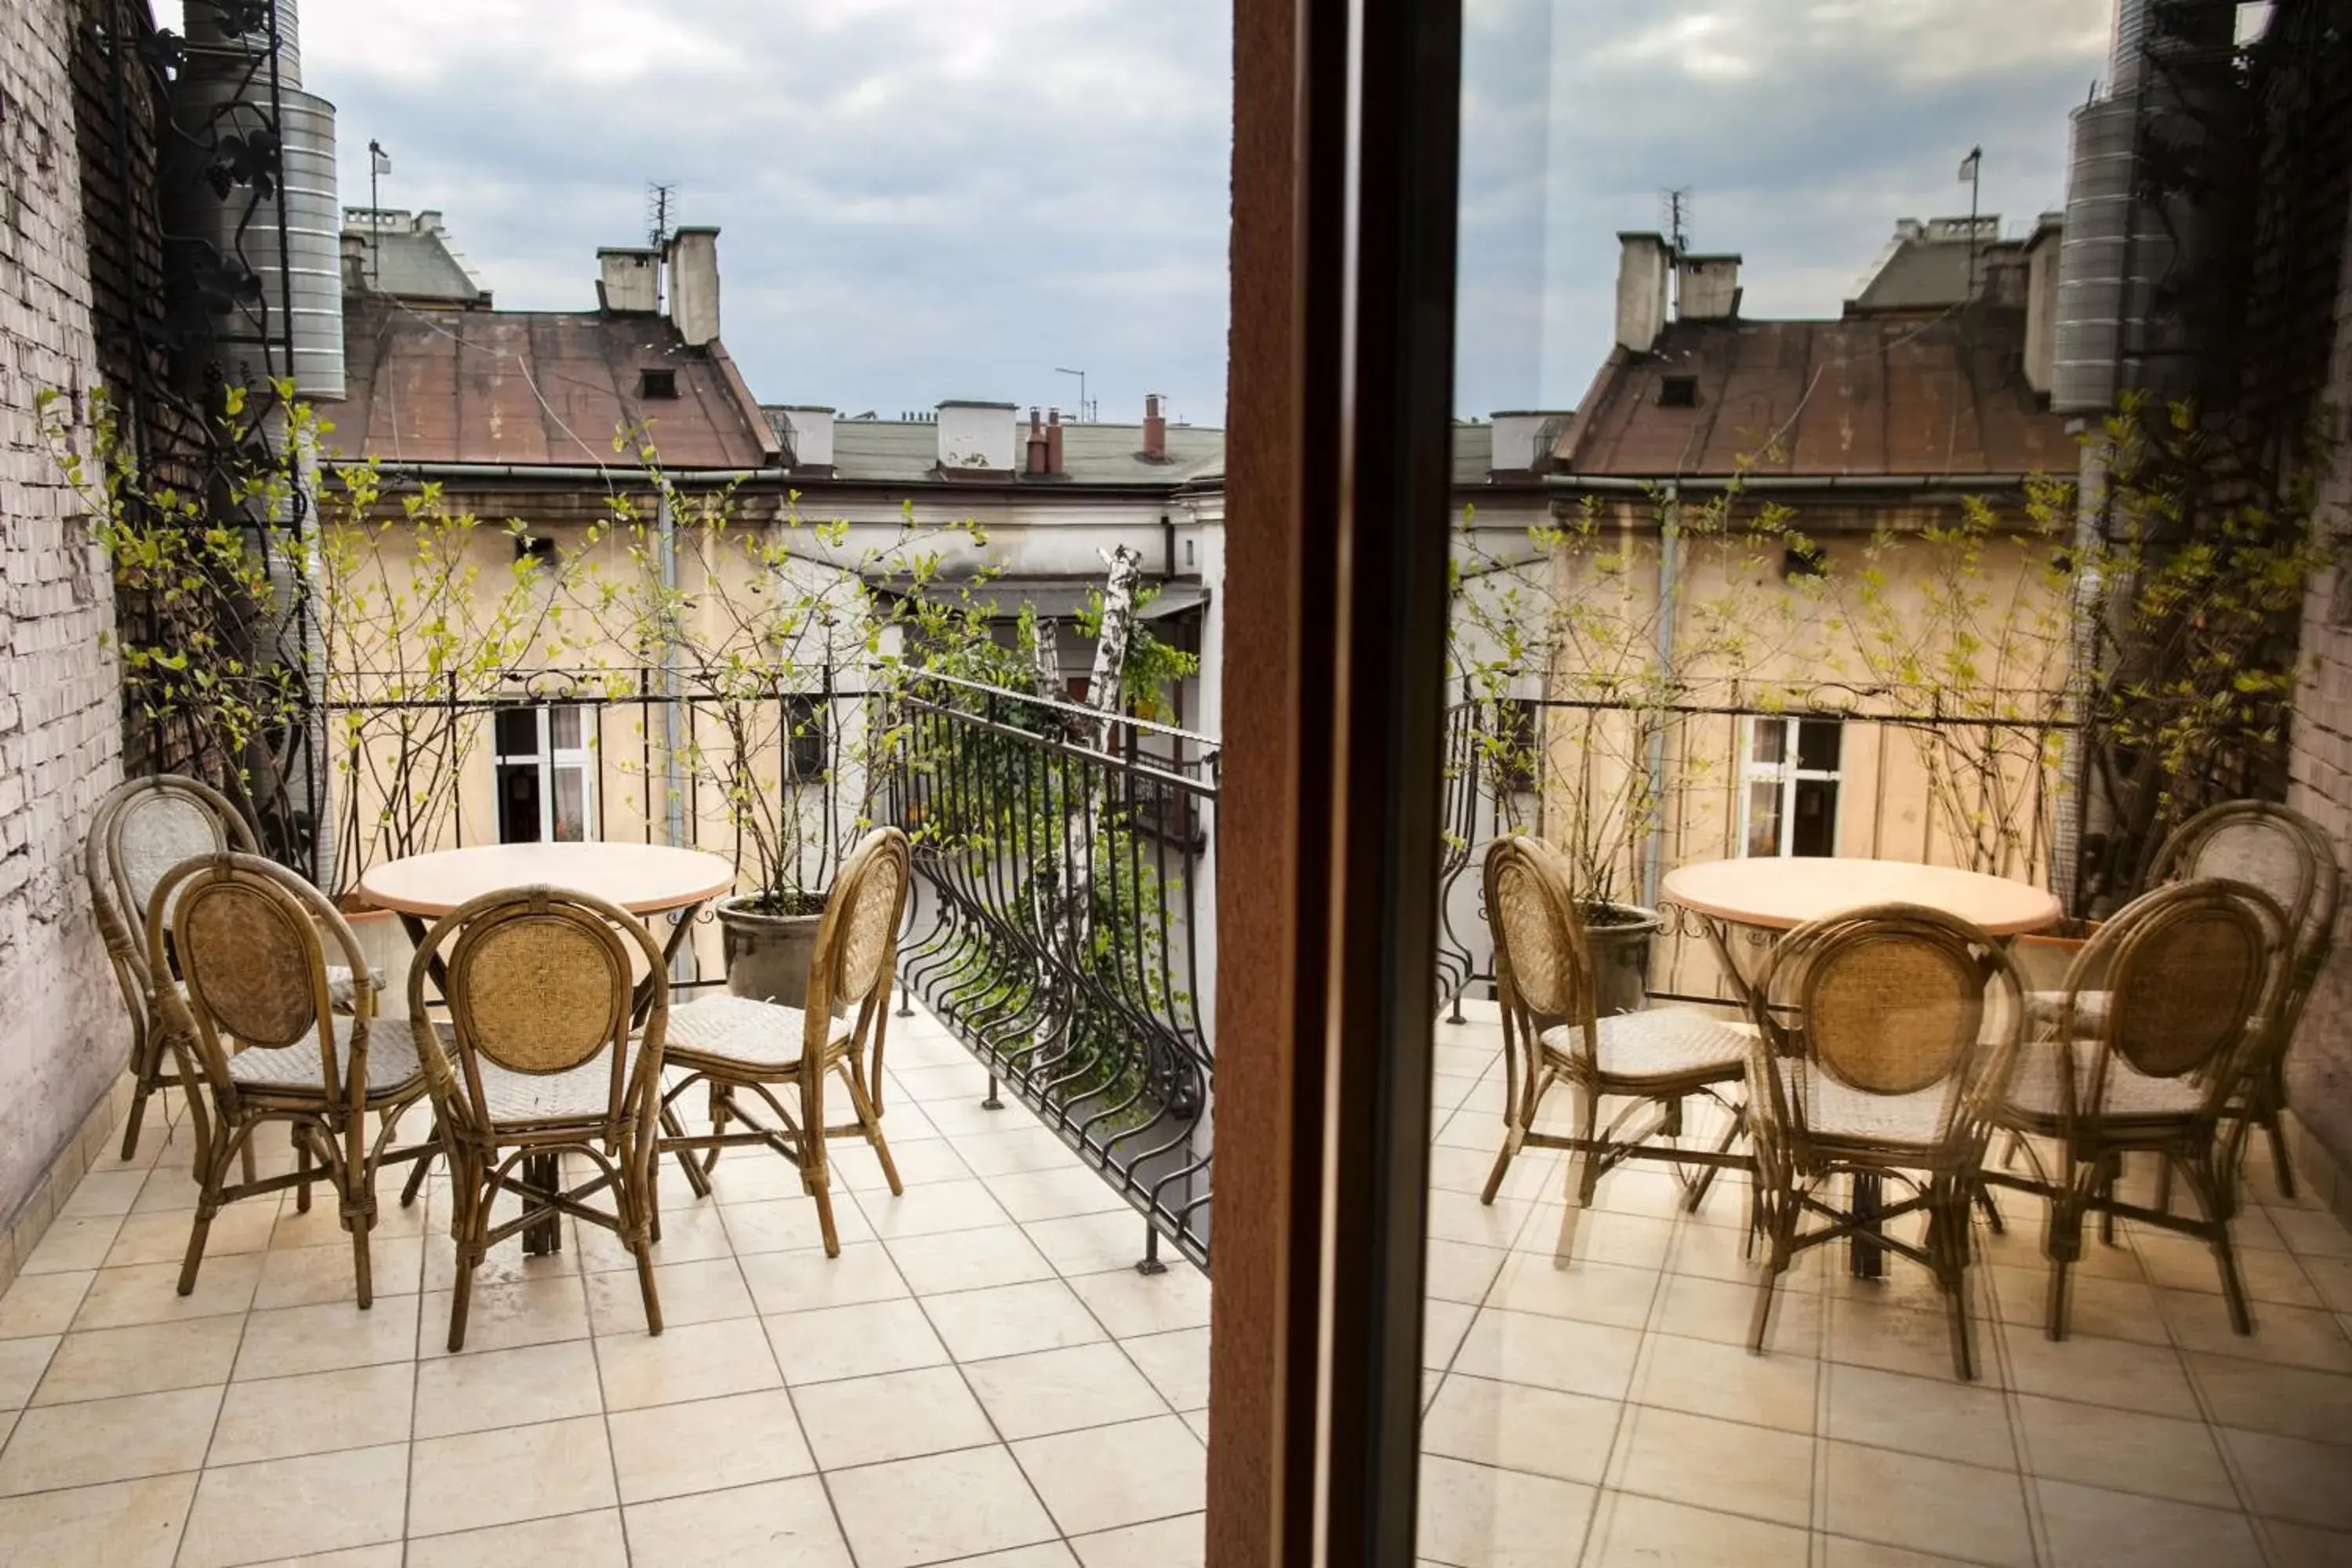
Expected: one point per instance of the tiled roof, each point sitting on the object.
(1857, 397)
(535, 387)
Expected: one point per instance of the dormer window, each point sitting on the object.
(660, 383)
(1678, 392)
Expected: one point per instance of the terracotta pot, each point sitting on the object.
(1618, 936)
(767, 955)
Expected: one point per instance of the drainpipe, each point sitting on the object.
(318, 777)
(1669, 544)
(2073, 757)
(673, 729)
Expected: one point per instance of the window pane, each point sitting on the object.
(564, 729)
(518, 803)
(1818, 742)
(1771, 742)
(1814, 832)
(1764, 818)
(518, 732)
(571, 804)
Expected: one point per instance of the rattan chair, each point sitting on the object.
(748, 1050)
(248, 1019)
(1884, 1036)
(538, 1061)
(2286, 855)
(140, 831)
(2167, 1015)
(1552, 1034)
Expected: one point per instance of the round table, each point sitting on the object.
(1782, 892)
(643, 879)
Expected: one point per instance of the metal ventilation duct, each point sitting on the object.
(2106, 256)
(206, 27)
(275, 288)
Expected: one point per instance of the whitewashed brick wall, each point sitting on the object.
(62, 1035)
(2320, 1070)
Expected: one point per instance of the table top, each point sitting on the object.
(643, 879)
(1782, 892)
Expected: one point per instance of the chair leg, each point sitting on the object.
(302, 1170)
(1583, 1171)
(2282, 1167)
(1947, 1245)
(470, 1207)
(141, 1090)
(695, 1178)
(2206, 1177)
(2113, 1173)
(2064, 1244)
(1698, 1189)
(870, 1120)
(637, 1207)
(415, 1182)
(722, 1110)
(1515, 1137)
(208, 1203)
(1776, 1219)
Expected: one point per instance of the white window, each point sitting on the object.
(546, 792)
(1788, 802)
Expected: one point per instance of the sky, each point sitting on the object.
(930, 199)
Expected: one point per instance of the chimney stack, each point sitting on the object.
(1053, 441)
(1707, 288)
(1037, 463)
(811, 429)
(976, 440)
(628, 280)
(1155, 430)
(1642, 272)
(355, 262)
(692, 257)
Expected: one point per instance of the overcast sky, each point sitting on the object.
(924, 199)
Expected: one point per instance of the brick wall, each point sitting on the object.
(62, 1037)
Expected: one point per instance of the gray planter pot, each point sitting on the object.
(1619, 938)
(767, 955)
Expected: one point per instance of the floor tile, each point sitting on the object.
(1641, 1531)
(501, 1317)
(2311, 1233)
(938, 1508)
(694, 1234)
(2125, 1451)
(284, 1418)
(291, 1507)
(330, 1336)
(2302, 1546)
(1896, 1339)
(1057, 1391)
(1006, 1153)
(791, 1224)
(1459, 1271)
(576, 1541)
(2089, 1528)
(1921, 1416)
(803, 1281)
(1176, 1363)
(788, 1521)
(2100, 1371)
(1718, 1309)
(148, 1292)
(514, 1473)
(38, 1304)
(1106, 1476)
(2291, 1336)
(710, 1445)
(1011, 1320)
(1549, 1352)
(1590, 1292)
(1052, 1193)
(1752, 1471)
(852, 1341)
(164, 1237)
(1729, 1382)
(127, 1524)
(1516, 1428)
(507, 1388)
(970, 1261)
(893, 1416)
(1460, 1216)
(1929, 1505)
(2105, 1309)
(1089, 1244)
(105, 1363)
(2293, 1479)
(2184, 1263)
(72, 1242)
(703, 1292)
(701, 1360)
(1128, 1304)
(919, 1161)
(109, 1440)
(1177, 1542)
(305, 1276)
(1476, 1517)
(2260, 1396)
(103, 1192)
(22, 1363)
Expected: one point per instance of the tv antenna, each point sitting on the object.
(661, 202)
(1086, 409)
(1674, 215)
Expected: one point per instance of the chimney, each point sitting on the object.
(1053, 442)
(1640, 290)
(2041, 299)
(976, 439)
(628, 280)
(1707, 288)
(1155, 430)
(427, 222)
(692, 258)
(810, 429)
(1037, 463)
(355, 260)
(1523, 441)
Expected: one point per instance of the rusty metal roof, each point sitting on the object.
(1856, 397)
(536, 387)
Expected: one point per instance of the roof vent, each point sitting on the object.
(1678, 392)
(652, 383)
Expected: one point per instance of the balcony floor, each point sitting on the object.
(1611, 1414)
(981, 1376)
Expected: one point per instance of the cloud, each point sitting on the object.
(922, 199)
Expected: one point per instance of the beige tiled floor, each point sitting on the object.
(981, 1376)
(1609, 1413)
